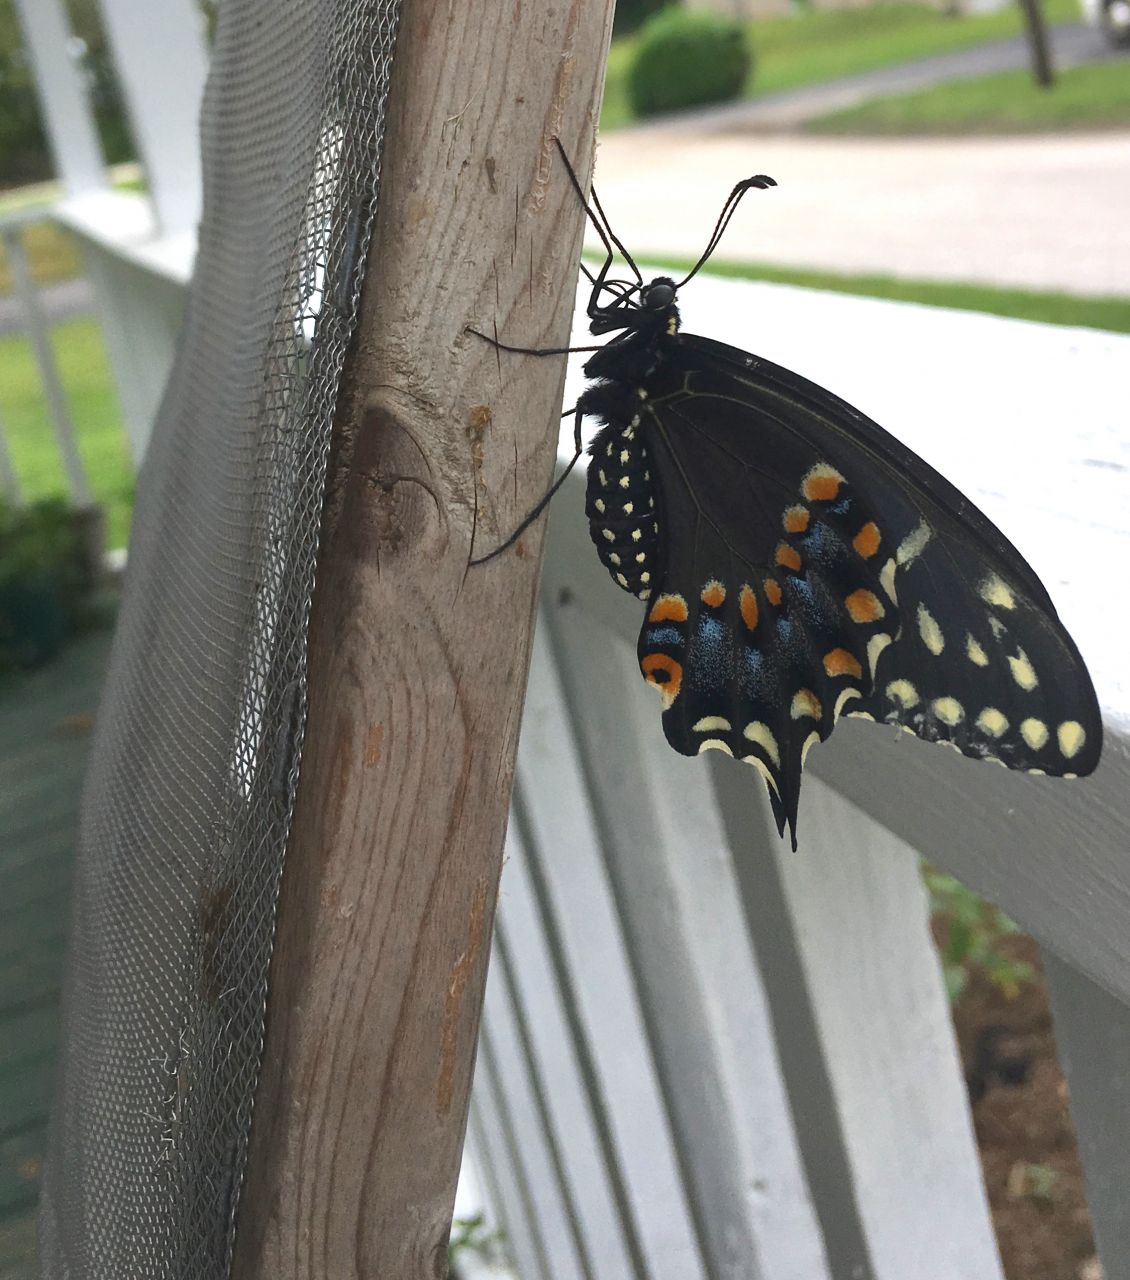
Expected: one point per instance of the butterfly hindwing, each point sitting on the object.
(812, 566)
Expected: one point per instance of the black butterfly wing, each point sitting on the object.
(813, 566)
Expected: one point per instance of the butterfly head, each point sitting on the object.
(648, 308)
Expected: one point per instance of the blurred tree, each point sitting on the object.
(24, 154)
(1038, 44)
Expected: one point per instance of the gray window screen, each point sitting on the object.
(188, 799)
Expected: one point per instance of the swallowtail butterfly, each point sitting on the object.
(798, 563)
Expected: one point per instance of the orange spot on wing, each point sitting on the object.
(664, 673)
(841, 663)
(805, 703)
(821, 483)
(668, 608)
(866, 541)
(713, 594)
(747, 602)
(795, 519)
(864, 606)
(788, 557)
(772, 591)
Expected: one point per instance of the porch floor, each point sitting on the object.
(45, 723)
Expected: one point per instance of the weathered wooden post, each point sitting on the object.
(417, 663)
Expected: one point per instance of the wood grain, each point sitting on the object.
(418, 663)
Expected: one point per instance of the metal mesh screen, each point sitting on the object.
(189, 796)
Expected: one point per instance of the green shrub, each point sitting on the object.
(48, 571)
(970, 933)
(686, 60)
(630, 15)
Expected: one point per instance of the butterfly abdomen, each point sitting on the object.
(620, 505)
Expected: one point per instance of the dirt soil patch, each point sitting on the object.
(1023, 1126)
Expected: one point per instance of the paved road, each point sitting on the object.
(1031, 212)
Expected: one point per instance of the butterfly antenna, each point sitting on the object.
(597, 217)
(759, 181)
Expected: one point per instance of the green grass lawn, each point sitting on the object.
(85, 373)
(817, 45)
(1090, 97)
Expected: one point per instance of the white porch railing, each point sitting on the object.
(704, 1057)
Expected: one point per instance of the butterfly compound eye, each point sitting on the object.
(658, 294)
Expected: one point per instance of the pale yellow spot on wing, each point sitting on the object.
(1071, 737)
(1034, 732)
(712, 722)
(912, 546)
(714, 744)
(613, 557)
(875, 647)
(992, 722)
(609, 536)
(845, 696)
(625, 482)
(805, 703)
(861, 715)
(636, 535)
(994, 591)
(887, 581)
(763, 769)
(809, 743)
(904, 693)
(930, 632)
(599, 504)
(759, 732)
(948, 710)
(975, 653)
(1022, 671)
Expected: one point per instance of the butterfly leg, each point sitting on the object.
(547, 497)
(530, 351)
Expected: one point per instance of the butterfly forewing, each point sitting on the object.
(812, 566)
